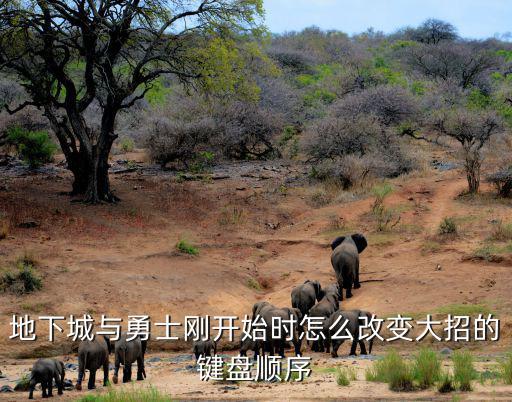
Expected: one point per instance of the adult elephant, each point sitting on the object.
(274, 344)
(306, 295)
(345, 260)
(325, 308)
(128, 352)
(93, 355)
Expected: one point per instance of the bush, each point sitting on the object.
(127, 144)
(445, 383)
(393, 370)
(34, 147)
(502, 231)
(427, 368)
(506, 369)
(344, 375)
(133, 395)
(22, 279)
(463, 370)
(447, 226)
(185, 247)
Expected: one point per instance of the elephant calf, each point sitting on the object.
(345, 261)
(205, 348)
(93, 355)
(44, 372)
(126, 353)
(325, 308)
(354, 320)
(250, 344)
(272, 315)
(306, 295)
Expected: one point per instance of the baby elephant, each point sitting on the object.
(250, 344)
(205, 348)
(127, 353)
(44, 372)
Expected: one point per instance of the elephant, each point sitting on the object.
(93, 355)
(278, 345)
(259, 307)
(354, 322)
(326, 307)
(44, 371)
(306, 295)
(205, 348)
(345, 261)
(126, 353)
(250, 344)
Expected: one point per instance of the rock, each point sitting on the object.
(71, 366)
(154, 359)
(28, 224)
(229, 388)
(439, 267)
(5, 389)
(446, 351)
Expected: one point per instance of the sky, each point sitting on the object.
(474, 19)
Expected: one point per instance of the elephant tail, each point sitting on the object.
(370, 347)
(144, 345)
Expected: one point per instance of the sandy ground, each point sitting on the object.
(258, 224)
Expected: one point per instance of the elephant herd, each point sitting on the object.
(307, 299)
(316, 302)
(92, 355)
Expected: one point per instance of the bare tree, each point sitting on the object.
(69, 54)
(433, 31)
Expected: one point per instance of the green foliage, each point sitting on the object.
(445, 383)
(183, 246)
(34, 147)
(253, 284)
(127, 395)
(506, 369)
(157, 95)
(344, 375)
(418, 88)
(23, 278)
(426, 368)
(384, 216)
(463, 369)
(202, 162)
(447, 226)
(127, 144)
(478, 100)
(392, 369)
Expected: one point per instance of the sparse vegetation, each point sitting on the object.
(426, 368)
(463, 369)
(344, 375)
(448, 226)
(183, 246)
(394, 370)
(21, 279)
(253, 284)
(233, 215)
(501, 231)
(127, 144)
(445, 384)
(127, 395)
(506, 369)
(386, 217)
(34, 147)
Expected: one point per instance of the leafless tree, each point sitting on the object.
(69, 54)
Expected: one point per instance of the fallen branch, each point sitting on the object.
(372, 280)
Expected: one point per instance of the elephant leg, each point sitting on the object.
(59, 384)
(81, 374)
(50, 387)
(321, 348)
(353, 348)
(92, 379)
(362, 346)
(297, 344)
(357, 284)
(140, 368)
(327, 343)
(105, 373)
(335, 346)
(44, 386)
(127, 372)
(281, 348)
(31, 389)
(348, 289)
(117, 364)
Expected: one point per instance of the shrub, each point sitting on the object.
(393, 370)
(34, 147)
(253, 284)
(447, 226)
(502, 231)
(463, 370)
(22, 279)
(344, 375)
(127, 144)
(445, 383)
(385, 217)
(128, 395)
(185, 247)
(427, 368)
(506, 369)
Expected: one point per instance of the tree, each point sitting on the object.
(433, 31)
(74, 55)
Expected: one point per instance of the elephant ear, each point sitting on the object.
(360, 242)
(318, 290)
(337, 242)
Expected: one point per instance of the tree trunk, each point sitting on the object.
(473, 173)
(98, 183)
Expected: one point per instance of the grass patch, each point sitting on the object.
(490, 251)
(22, 279)
(506, 369)
(430, 246)
(232, 216)
(445, 383)
(463, 370)
(448, 226)
(185, 247)
(394, 370)
(133, 395)
(253, 284)
(426, 368)
(501, 231)
(127, 144)
(344, 375)
(465, 309)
